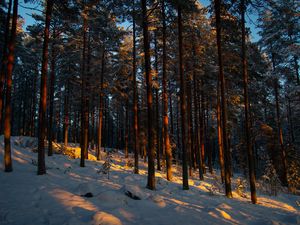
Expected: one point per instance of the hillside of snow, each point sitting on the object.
(71, 195)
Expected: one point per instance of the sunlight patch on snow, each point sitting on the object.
(186, 204)
(129, 216)
(104, 218)
(224, 214)
(270, 203)
(70, 201)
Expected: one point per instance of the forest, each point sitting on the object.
(149, 112)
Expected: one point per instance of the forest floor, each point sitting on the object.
(57, 198)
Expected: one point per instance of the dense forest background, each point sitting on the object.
(181, 83)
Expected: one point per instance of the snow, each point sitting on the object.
(57, 198)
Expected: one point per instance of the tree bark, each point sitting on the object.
(223, 100)
(4, 61)
(201, 121)
(189, 126)
(83, 141)
(167, 146)
(220, 138)
(51, 98)
(151, 150)
(43, 93)
(185, 184)
(8, 111)
(280, 135)
(158, 144)
(246, 105)
(126, 127)
(296, 69)
(135, 98)
(66, 116)
(100, 119)
(197, 131)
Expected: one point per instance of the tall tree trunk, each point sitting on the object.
(8, 111)
(43, 93)
(92, 136)
(51, 98)
(246, 104)
(196, 112)
(280, 135)
(220, 138)
(296, 69)
(208, 139)
(100, 119)
(83, 97)
(151, 150)
(201, 121)
(33, 105)
(178, 156)
(189, 126)
(167, 146)
(290, 119)
(135, 98)
(126, 128)
(171, 110)
(66, 116)
(4, 61)
(185, 183)
(223, 100)
(157, 133)
(86, 127)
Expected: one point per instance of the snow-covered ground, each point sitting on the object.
(57, 197)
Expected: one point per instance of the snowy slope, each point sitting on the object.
(56, 198)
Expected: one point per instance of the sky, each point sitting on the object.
(25, 13)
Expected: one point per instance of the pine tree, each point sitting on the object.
(8, 110)
(150, 148)
(185, 183)
(43, 89)
(167, 146)
(223, 101)
(4, 60)
(246, 104)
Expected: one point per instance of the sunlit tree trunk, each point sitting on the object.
(135, 98)
(223, 100)
(178, 130)
(208, 138)
(151, 150)
(201, 122)
(66, 116)
(185, 183)
(100, 117)
(280, 135)
(126, 127)
(246, 104)
(51, 97)
(220, 138)
(86, 127)
(189, 126)
(92, 136)
(8, 111)
(43, 93)
(157, 133)
(83, 142)
(33, 103)
(4, 61)
(171, 111)
(167, 146)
